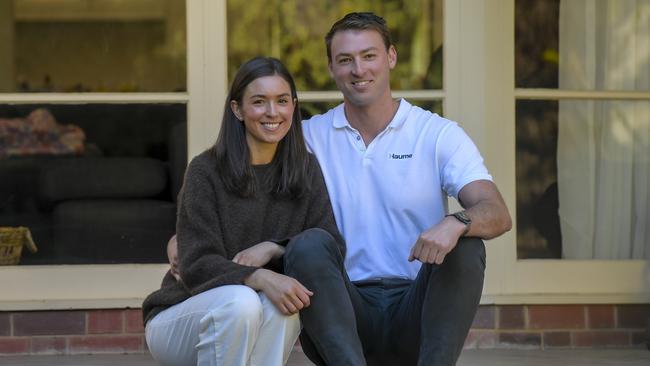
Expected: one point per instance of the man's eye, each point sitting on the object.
(344, 60)
(258, 102)
(283, 101)
(369, 56)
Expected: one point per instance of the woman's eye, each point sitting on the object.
(283, 101)
(258, 102)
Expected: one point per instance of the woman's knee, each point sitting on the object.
(242, 305)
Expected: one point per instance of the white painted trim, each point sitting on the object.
(80, 98)
(451, 65)
(539, 281)
(207, 71)
(553, 94)
(551, 298)
(78, 286)
(335, 96)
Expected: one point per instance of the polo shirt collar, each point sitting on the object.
(340, 121)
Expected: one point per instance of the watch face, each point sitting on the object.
(463, 217)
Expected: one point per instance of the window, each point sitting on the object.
(93, 125)
(294, 32)
(92, 46)
(582, 142)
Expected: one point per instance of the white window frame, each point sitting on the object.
(486, 52)
(478, 92)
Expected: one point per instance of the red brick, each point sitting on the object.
(484, 318)
(601, 338)
(49, 323)
(106, 344)
(105, 321)
(525, 339)
(600, 316)
(134, 321)
(633, 316)
(557, 339)
(511, 317)
(49, 345)
(556, 317)
(12, 346)
(5, 324)
(480, 339)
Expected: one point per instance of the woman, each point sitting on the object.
(242, 201)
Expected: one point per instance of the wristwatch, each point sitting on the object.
(462, 217)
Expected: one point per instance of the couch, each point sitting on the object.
(115, 202)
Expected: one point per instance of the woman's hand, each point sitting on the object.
(259, 255)
(287, 294)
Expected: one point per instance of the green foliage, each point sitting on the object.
(294, 31)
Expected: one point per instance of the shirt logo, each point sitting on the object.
(399, 156)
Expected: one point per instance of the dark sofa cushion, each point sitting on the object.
(79, 178)
(113, 231)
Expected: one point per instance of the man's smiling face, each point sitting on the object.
(361, 65)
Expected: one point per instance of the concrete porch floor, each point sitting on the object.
(491, 357)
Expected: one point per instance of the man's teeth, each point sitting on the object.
(361, 83)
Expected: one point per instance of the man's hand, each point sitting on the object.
(287, 294)
(485, 207)
(434, 244)
(259, 255)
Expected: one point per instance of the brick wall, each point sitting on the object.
(71, 332)
(500, 326)
(559, 326)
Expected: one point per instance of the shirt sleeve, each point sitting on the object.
(203, 261)
(459, 160)
(319, 212)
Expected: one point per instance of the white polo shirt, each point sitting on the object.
(386, 194)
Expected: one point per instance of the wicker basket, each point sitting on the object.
(12, 240)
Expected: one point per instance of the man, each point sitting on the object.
(407, 290)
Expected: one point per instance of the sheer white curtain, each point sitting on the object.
(604, 146)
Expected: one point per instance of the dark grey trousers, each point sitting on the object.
(385, 322)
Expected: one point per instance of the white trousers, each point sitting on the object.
(225, 326)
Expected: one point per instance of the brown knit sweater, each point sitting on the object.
(213, 225)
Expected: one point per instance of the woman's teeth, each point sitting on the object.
(270, 126)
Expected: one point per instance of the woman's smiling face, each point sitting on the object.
(267, 111)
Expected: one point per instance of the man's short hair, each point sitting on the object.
(358, 21)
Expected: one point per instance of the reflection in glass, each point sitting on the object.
(583, 172)
(94, 183)
(294, 31)
(538, 228)
(536, 43)
(582, 44)
(92, 46)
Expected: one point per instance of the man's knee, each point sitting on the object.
(467, 256)
(310, 248)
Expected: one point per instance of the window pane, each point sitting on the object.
(583, 178)
(94, 183)
(583, 44)
(92, 46)
(536, 43)
(294, 32)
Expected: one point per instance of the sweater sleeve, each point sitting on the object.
(203, 260)
(319, 212)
